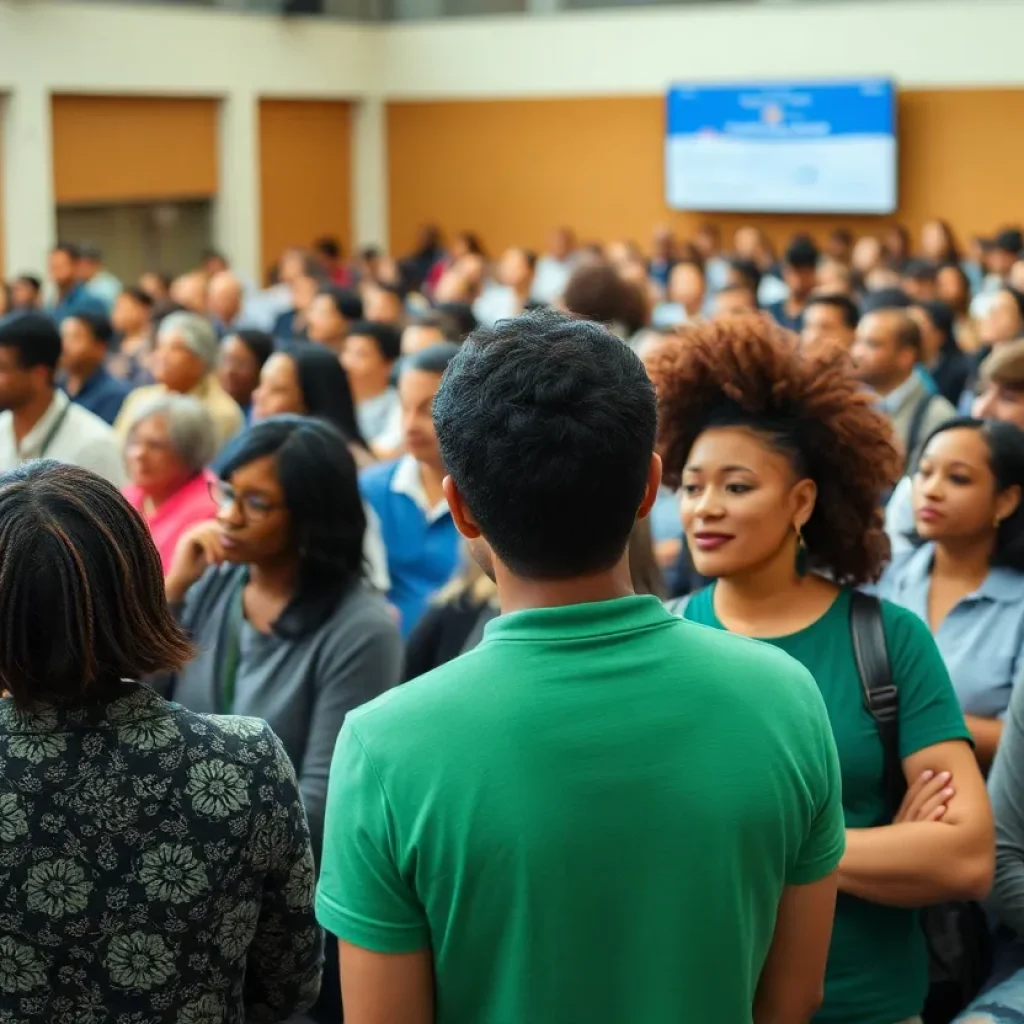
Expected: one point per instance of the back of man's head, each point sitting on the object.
(546, 424)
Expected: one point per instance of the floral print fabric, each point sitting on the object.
(155, 867)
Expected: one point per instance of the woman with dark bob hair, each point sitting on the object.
(966, 577)
(782, 460)
(157, 863)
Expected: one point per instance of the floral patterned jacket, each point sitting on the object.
(155, 867)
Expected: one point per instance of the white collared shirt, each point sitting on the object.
(407, 481)
(80, 439)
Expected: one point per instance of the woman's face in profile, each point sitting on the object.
(278, 390)
(738, 501)
(253, 516)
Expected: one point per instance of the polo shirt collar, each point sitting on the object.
(1002, 586)
(580, 621)
(407, 480)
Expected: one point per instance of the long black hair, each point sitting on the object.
(324, 387)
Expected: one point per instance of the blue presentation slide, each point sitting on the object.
(805, 147)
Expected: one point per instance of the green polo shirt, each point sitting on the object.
(878, 961)
(589, 817)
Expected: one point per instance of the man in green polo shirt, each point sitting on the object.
(588, 818)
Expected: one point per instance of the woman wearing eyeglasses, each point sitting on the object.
(273, 593)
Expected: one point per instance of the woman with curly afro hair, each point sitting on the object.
(782, 461)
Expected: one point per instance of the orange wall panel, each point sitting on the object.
(512, 169)
(305, 173)
(111, 149)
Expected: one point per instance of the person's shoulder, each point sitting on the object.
(376, 479)
(906, 633)
(139, 396)
(88, 426)
(363, 610)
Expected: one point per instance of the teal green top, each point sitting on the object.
(878, 963)
(587, 818)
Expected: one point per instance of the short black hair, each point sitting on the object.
(139, 296)
(91, 252)
(920, 270)
(943, 319)
(97, 324)
(387, 337)
(82, 603)
(259, 343)
(324, 386)
(748, 271)
(885, 298)
(432, 359)
(31, 280)
(320, 482)
(907, 333)
(443, 321)
(329, 247)
(801, 253)
(845, 305)
(69, 249)
(546, 424)
(1006, 459)
(35, 338)
(346, 301)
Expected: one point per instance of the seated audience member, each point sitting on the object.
(947, 366)
(85, 346)
(684, 301)
(185, 362)
(516, 788)
(734, 300)
(307, 380)
(744, 273)
(938, 243)
(328, 253)
(331, 315)
(156, 285)
(663, 256)
(511, 294)
(369, 357)
(38, 420)
(170, 443)
(834, 278)
(966, 581)
(839, 246)
(292, 324)
(799, 269)
(867, 256)
(886, 352)
(919, 280)
(781, 459)
(1000, 254)
(99, 282)
(954, 288)
(26, 294)
(186, 891)
(830, 318)
(896, 246)
(1000, 397)
(189, 292)
(212, 262)
(242, 355)
(383, 303)
(554, 267)
(1003, 320)
(427, 329)
(596, 292)
(133, 310)
(461, 314)
(72, 295)
(707, 242)
(224, 295)
(5, 299)
(273, 594)
(419, 535)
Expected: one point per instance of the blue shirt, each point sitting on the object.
(982, 637)
(78, 300)
(791, 323)
(102, 394)
(422, 543)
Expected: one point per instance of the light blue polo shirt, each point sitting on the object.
(981, 639)
(422, 543)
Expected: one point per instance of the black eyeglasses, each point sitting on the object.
(253, 506)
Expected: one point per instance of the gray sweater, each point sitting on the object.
(322, 659)
(1006, 790)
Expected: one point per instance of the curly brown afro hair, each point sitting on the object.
(746, 371)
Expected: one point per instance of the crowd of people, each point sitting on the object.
(365, 604)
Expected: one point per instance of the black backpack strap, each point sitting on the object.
(881, 696)
(916, 426)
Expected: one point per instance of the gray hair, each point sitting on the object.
(189, 426)
(196, 332)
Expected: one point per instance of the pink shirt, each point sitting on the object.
(190, 505)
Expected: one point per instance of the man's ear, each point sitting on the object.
(653, 483)
(463, 518)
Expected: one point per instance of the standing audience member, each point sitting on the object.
(966, 581)
(99, 282)
(570, 759)
(131, 322)
(72, 296)
(185, 361)
(157, 862)
(553, 268)
(242, 355)
(948, 367)
(407, 496)
(170, 443)
(331, 315)
(26, 294)
(369, 358)
(38, 420)
(886, 352)
(799, 273)
(830, 319)
(85, 346)
(781, 460)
